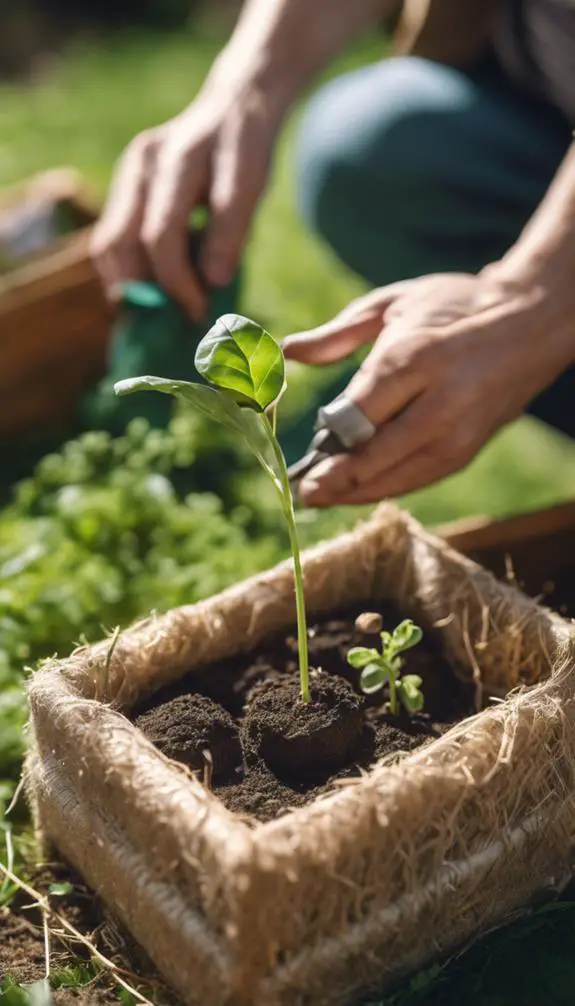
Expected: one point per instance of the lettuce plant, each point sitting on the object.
(379, 669)
(245, 369)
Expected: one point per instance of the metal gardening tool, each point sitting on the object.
(339, 427)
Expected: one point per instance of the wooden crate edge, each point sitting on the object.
(470, 534)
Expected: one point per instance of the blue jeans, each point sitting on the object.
(406, 167)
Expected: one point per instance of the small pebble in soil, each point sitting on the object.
(187, 727)
(298, 739)
(369, 622)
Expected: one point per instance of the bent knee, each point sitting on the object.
(374, 135)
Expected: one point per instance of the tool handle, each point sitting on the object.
(346, 422)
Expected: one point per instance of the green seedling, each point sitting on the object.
(378, 669)
(245, 369)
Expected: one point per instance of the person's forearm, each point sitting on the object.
(543, 259)
(281, 45)
(546, 248)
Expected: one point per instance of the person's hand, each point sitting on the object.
(215, 154)
(455, 358)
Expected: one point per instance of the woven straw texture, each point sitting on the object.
(362, 885)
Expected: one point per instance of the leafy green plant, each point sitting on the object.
(75, 975)
(101, 534)
(246, 373)
(61, 890)
(379, 669)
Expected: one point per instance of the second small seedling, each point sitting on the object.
(384, 668)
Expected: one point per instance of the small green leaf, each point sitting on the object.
(386, 638)
(73, 977)
(207, 400)
(213, 403)
(406, 635)
(410, 694)
(412, 680)
(126, 998)
(361, 656)
(239, 356)
(373, 677)
(61, 890)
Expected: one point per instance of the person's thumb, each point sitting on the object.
(332, 341)
(359, 323)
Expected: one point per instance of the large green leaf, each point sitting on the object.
(239, 355)
(217, 405)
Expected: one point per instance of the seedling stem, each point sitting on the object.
(284, 491)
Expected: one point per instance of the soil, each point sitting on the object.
(22, 950)
(269, 751)
(198, 733)
(298, 739)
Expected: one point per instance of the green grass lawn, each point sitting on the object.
(83, 113)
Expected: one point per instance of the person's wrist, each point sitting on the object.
(255, 79)
(542, 300)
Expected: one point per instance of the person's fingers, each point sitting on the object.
(435, 436)
(116, 249)
(330, 342)
(177, 188)
(421, 469)
(395, 372)
(359, 323)
(239, 172)
(423, 422)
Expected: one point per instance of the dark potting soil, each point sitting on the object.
(242, 726)
(75, 980)
(198, 733)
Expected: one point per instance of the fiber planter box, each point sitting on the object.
(375, 876)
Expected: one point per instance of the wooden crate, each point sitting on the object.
(536, 551)
(54, 324)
